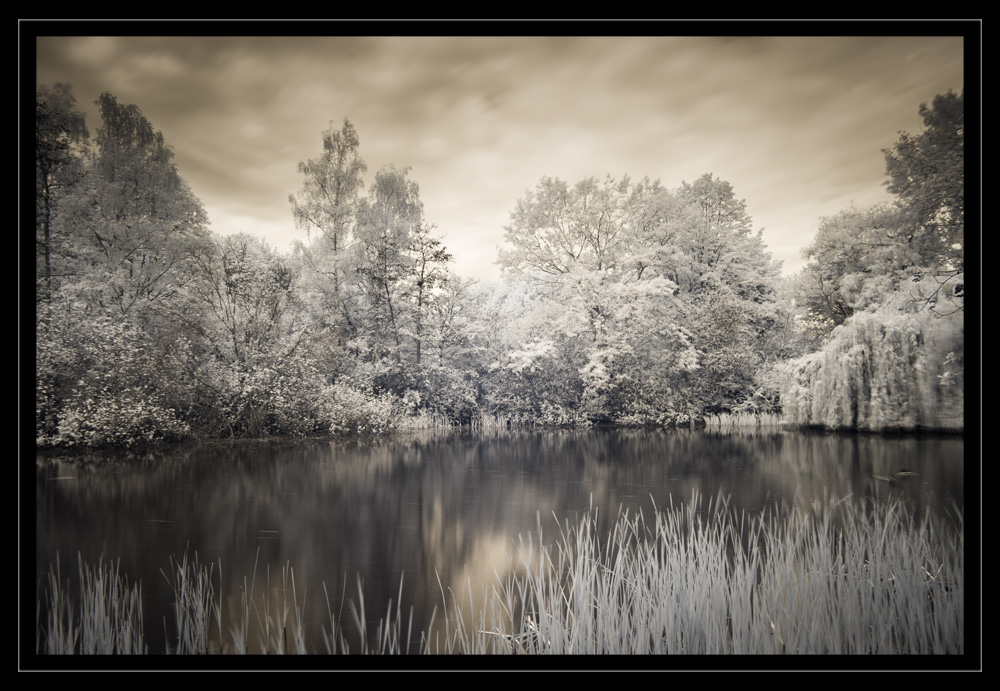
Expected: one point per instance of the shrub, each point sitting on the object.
(125, 418)
(349, 410)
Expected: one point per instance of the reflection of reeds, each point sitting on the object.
(833, 578)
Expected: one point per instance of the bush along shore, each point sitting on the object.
(845, 577)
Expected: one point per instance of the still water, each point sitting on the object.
(408, 516)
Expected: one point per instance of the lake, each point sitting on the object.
(409, 516)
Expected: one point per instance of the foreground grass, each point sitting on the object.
(847, 579)
(841, 578)
(108, 621)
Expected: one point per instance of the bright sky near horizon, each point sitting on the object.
(795, 124)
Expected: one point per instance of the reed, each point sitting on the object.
(424, 419)
(280, 627)
(697, 578)
(240, 628)
(499, 421)
(110, 611)
(727, 422)
(195, 606)
(290, 626)
(842, 578)
(60, 635)
(109, 619)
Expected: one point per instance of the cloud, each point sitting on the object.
(796, 124)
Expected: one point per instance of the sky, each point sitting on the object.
(796, 124)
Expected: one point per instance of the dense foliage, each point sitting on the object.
(883, 296)
(622, 301)
(660, 304)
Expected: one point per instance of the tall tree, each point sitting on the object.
(582, 247)
(701, 239)
(238, 311)
(326, 203)
(839, 279)
(60, 139)
(883, 294)
(127, 232)
(860, 258)
(145, 222)
(559, 228)
(429, 270)
(386, 220)
(721, 246)
(927, 173)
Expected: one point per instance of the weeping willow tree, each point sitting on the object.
(880, 370)
(883, 296)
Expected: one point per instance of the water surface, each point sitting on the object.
(434, 509)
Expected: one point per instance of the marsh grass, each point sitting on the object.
(109, 618)
(728, 422)
(390, 637)
(195, 606)
(841, 577)
(495, 421)
(280, 627)
(424, 419)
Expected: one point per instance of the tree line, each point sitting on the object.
(621, 302)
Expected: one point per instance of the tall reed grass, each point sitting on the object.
(493, 421)
(844, 577)
(424, 419)
(727, 422)
(109, 618)
(195, 606)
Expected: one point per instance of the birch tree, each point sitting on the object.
(325, 206)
